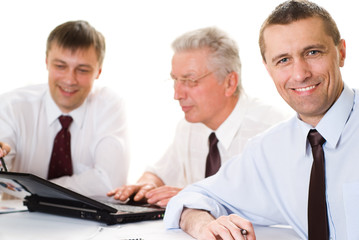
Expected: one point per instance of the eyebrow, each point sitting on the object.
(314, 46)
(274, 59)
(183, 76)
(58, 60)
(63, 62)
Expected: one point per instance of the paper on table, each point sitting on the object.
(11, 206)
(13, 188)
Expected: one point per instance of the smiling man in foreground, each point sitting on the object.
(302, 172)
(68, 131)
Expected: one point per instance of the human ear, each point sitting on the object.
(231, 83)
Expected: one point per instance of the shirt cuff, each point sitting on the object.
(190, 199)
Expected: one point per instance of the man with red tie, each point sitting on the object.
(68, 131)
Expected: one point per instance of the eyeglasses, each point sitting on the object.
(188, 82)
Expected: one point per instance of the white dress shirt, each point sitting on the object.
(29, 123)
(185, 160)
(269, 183)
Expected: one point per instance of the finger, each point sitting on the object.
(141, 194)
(5, 148)
(244, 225)
(208, 236)
(123, 193)
(163, 203)
(162, 189)
(156, 191)
(127, 192)
(3, 152)
(220, 231)
(113, 192)
(233, 229)
(156, 198)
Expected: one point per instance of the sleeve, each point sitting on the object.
(109, 149)
(8, 128)
(170, 168)
(237, 188)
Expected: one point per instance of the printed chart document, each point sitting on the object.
(16, 191)
(10, 206)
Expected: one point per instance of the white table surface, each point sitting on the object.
(41, 226)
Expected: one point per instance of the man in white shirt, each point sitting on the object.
(29, 116)
(304, 171)
(206, 72)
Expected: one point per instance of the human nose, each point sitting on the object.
(180, 90)
(70, 77)
(301, 70)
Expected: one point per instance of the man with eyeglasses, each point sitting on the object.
(206, 72)
(302, 172)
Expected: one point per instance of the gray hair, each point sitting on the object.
(224, 56)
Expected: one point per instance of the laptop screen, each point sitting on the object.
(24, 185)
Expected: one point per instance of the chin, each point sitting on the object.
(192, 120)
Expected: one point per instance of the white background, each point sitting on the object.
(137, 63)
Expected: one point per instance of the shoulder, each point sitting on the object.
(24, 95)
(356, 97)
(104, 93)
(278, 132)
(258, 109)
(105, 98)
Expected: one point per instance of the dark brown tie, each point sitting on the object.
(60, 163)
(317, 208)
(213, 159)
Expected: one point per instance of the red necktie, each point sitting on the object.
(60, 163)
(213, 159)
(318, 228)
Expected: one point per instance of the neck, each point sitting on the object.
(223, 114)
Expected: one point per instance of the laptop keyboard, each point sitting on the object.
(128, 208)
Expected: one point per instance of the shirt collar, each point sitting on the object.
(228, 129)
(333, 122)
(53, 111)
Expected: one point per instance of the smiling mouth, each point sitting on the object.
(305, 88)
(67, 90)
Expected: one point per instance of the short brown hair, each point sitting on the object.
(294, 10)
(76, 35)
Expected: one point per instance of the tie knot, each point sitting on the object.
(213, 139)
(315, 138)
(65, 121)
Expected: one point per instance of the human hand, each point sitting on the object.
(228, 228)
(137, 190)
(203, 226)
(160, 196)
(4, 149)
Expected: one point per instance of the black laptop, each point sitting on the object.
(44, 196)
